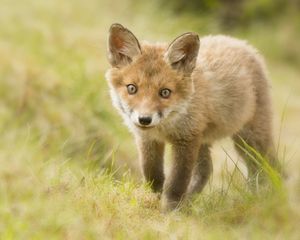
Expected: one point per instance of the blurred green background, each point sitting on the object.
(53, 59)
(54, 101)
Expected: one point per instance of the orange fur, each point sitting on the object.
(218, 90)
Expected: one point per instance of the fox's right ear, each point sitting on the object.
(123, 46)
(183, 51)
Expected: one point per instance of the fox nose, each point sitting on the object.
(145, 120)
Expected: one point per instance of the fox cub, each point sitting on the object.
(189, 94)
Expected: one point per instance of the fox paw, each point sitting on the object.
(168, 205)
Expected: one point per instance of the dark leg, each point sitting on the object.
(175, 187)
(202, 170)
(262, 144)
(151, 157)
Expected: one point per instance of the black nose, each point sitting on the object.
(145, 120)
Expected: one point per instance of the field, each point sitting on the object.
(68, 167)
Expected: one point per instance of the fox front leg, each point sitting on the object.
(175, 187)
(151, 158)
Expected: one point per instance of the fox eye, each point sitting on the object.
(131, 89)
(165, 93)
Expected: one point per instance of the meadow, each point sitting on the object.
(68, 165)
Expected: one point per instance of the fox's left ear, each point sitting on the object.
(123, 46)
(183, 51)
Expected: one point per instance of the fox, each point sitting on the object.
(189, 94)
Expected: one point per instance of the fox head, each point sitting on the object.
(150, 84)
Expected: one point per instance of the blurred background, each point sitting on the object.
(53, 59)
(54, 101)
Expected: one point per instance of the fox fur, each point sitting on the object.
(217, 87)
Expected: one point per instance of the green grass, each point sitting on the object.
(68, 164)
(57, 198)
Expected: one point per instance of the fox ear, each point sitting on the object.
(123, 46)
(183, 51)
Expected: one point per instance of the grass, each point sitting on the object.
(61, 199)
(68, 168)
